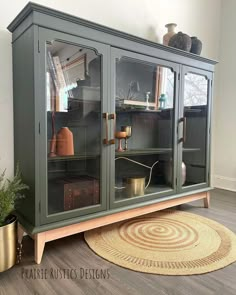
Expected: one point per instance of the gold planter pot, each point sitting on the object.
(7, 246)
(135, 186)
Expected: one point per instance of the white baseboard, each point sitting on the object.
(224, 182)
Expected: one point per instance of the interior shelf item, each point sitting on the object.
(138, 103)
(65, 142)
(141, 164)
(74, 192)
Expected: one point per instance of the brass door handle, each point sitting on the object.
(105, 116)
(113, 117)
(184, 120)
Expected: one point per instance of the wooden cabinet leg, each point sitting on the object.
(39, 243)
(207, 200)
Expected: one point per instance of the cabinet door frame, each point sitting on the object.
(47, 35)
(119, 53)
(209, 76)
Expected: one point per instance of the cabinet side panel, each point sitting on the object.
(24, 123)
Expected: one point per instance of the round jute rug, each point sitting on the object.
(166, 242)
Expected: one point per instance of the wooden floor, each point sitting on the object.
(69, 256)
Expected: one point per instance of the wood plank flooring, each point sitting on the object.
(69, 257)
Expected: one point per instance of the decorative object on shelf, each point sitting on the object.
(171, 32)
(10, 192)
(81, 192)
(65, 142)
(128, 131)
(141, 164)
(78, 191)
(53, 141)
(133, 89)
(134, 186)
(168, 172)
(147, 100)
(181, 41)
(120, 135)
(162, 102)
(196, 47)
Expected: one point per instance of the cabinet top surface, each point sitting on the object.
(31, 7)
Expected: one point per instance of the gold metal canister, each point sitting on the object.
(7, 246)
(135, 186)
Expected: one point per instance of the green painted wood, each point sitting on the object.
(117, 53)
(61, 223)
(45, 36)
(209, 77)
(24, 126)
(31, 29)
(47, 17)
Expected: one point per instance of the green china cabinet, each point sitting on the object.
(104, 122)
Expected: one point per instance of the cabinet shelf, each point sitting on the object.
(82, 156)
(86, 156)
(121, 111)
(152, 151)
(150, 190)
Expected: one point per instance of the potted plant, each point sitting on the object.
(10, 192)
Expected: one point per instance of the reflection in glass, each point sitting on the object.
(195, 128)
(73, 88)
(142, 164)
(195, 92)
(140, 85)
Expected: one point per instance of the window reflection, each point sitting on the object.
(140, 85)
(73, 89)
(195, 93)
(144, 128)
(195, 126)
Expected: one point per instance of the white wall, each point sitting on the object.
(225, 106)
(6, 104)
(145, 18)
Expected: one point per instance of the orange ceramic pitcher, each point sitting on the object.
(65, 143)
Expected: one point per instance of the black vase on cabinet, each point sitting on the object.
(196, 47)
(181, 41)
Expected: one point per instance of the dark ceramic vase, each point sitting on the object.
(196, 46)
(181, 41)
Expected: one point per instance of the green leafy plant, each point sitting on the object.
(10, 192)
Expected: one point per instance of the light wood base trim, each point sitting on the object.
(207, 200)
(39, 244)
(41, 238)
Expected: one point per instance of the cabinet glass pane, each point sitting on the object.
(73, 126)
(144, 128)
(194, 129)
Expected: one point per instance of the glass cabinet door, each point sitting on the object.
(74, 104)
(194, 128)
(144, 157)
